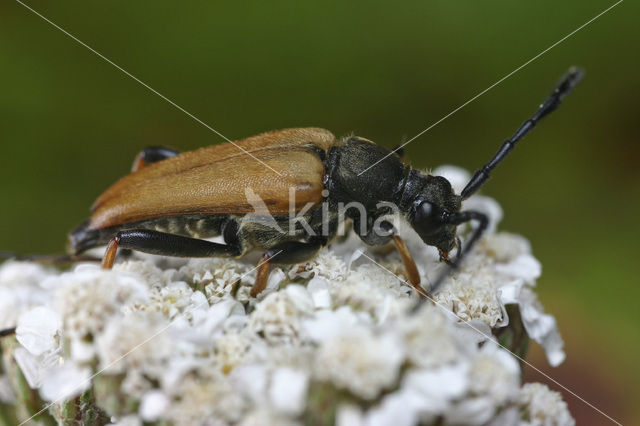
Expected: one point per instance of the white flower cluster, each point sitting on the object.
(331, 339)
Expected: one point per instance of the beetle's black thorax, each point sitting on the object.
(350, 178)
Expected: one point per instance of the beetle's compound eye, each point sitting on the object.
(424, 212)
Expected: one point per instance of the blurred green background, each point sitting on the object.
(71, 124)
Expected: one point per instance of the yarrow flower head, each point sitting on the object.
(330, 340)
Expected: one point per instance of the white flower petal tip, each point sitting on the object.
(64, 382)
(543, 406)
(37, 329)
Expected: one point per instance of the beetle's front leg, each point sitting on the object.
(287, 253)
(410, 266)
(164, 244)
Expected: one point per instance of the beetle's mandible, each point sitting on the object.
(172, 202)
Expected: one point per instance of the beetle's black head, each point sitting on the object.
(432, 204)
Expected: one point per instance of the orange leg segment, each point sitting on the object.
(262, 277)
(410, 267)
(110, 254)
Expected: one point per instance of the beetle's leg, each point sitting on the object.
(164, 244)
(458, 247)
(264, 267)
(409, 266)
(7, 332)
(287, 253)
(444, 256)
(152, 154)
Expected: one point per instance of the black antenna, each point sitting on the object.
(563, 88)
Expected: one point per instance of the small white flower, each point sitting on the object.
(329, 324)
(475, 411)
(543, 407)
(154, 405)
(251, 381)
(232, 349)
(436, 389)
(288, 390)
(81, 351)
(503, 247)
(37, 329)
(540, 327)
(359, 361)
(35, 368)
(135, 344)
(326, 264)
(429, 338)
(65, 381)
(209, 398)
(88, 296)
(318, 287)
(495, 374)
(21, 288)
(279, 315)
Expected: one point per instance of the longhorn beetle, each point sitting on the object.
(171, 202)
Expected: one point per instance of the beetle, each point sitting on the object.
(172, 202)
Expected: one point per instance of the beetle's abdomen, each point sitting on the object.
(353, 178)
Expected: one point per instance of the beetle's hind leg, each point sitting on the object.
(152, 154)
(286, 253)
(161, 243)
